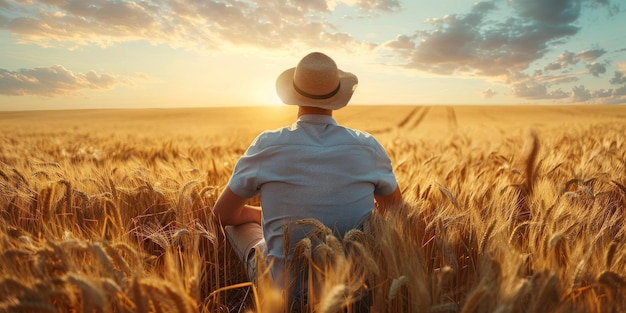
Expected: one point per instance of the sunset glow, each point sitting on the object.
(118, 54)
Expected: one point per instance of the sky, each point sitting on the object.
(76, 54)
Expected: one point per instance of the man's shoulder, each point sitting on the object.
(273, 136)
(360, 135)
(292, 135)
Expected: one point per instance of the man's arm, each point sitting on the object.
(231, 209)
(391, 201)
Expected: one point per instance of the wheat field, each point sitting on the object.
(508, 209)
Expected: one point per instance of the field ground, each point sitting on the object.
(427, 120)
(508, 209)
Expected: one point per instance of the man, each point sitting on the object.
(311, 169)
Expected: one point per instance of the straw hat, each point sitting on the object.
(316, 82)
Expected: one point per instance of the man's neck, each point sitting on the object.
(302, 110)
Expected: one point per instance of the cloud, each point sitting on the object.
(554, 13)
(51, 81)
(620, 91)
(618, 78)
(208, 24)
(401, 43)
(568, 59)
(539, 88)
(475, 44)
(379, 5)
(596, 68)
(612, 9)
(533, 90)
(488, 93)
(580, 94)
(482, 44)
(590, 55)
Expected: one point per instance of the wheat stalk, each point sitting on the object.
(93, 298)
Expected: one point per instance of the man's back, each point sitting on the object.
(313, 169)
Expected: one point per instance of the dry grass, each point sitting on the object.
(113, 215)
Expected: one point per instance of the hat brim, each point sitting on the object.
(287, 93)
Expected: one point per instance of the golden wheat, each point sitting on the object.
(119, 220)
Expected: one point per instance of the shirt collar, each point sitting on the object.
(317, 119)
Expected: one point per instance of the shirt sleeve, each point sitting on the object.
(244, 180)
(387, 182)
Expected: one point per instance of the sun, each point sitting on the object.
(274, 100)
(264, 95)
